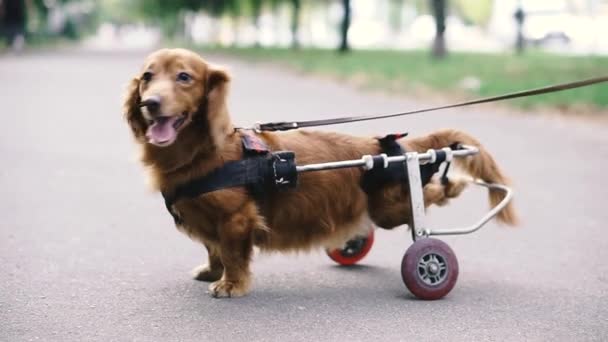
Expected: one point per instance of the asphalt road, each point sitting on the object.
(88, 254)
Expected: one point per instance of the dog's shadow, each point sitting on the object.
(355, 268)
(325, 294)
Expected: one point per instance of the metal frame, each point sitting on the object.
(418, 216)
(490, 215)
(411, 162)
(365, 160)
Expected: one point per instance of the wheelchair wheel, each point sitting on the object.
(354, 250)
(429, 269)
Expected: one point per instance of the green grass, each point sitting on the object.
(414, 72)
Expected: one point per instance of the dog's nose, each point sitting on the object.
(152, 103)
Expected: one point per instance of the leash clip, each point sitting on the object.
(275, 126)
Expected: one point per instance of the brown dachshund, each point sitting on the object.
(185, 132)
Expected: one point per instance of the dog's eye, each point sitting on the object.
(147, 76)
(183, 77)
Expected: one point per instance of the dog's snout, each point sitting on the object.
(152, 103)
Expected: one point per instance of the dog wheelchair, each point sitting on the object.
(429, 267)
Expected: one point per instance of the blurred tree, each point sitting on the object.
(395, 15)
(256, 10)
(422, 6)
(31, 18)
(166, 14)
(214, 7)
(235, 9)
(41, 11)
(12, 19)
(519, 17)
(275, 7)
(295, 23)
(439, 12)
(477, 12)
(296, 6)
(346, 18)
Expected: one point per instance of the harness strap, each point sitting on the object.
(244, 172)
(444, 176)
(260, 172)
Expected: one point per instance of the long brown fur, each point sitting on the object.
(327, 208)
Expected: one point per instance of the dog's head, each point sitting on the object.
(175, 89)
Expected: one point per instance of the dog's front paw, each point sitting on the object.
(226, 289)
(205, 273)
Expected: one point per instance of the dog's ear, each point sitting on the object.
(218, 119)
(216, 89)
(216, 78)
(131, 109)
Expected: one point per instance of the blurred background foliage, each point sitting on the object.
(494, 45)
(73, 18)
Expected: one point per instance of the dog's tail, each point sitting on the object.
(480, 166)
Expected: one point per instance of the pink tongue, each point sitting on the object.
(162, 130)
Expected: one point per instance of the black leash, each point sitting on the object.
(285, 126)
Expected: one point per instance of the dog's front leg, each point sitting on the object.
(235, 253)
(214, 269)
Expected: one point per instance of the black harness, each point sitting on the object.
(263, 171)
(260, 171)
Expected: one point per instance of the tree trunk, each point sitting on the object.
(257, 9)
(395, 16)
(520, 42)
(439, 11)
(12, 23)
(344, 47)
(295, 24)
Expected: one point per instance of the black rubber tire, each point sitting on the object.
(429, 269)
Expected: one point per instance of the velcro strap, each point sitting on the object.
(379, 161)
(440, 156)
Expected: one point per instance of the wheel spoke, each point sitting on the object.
(432, 269)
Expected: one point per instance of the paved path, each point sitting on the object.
(87, 254)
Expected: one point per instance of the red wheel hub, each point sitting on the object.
(355, 250)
